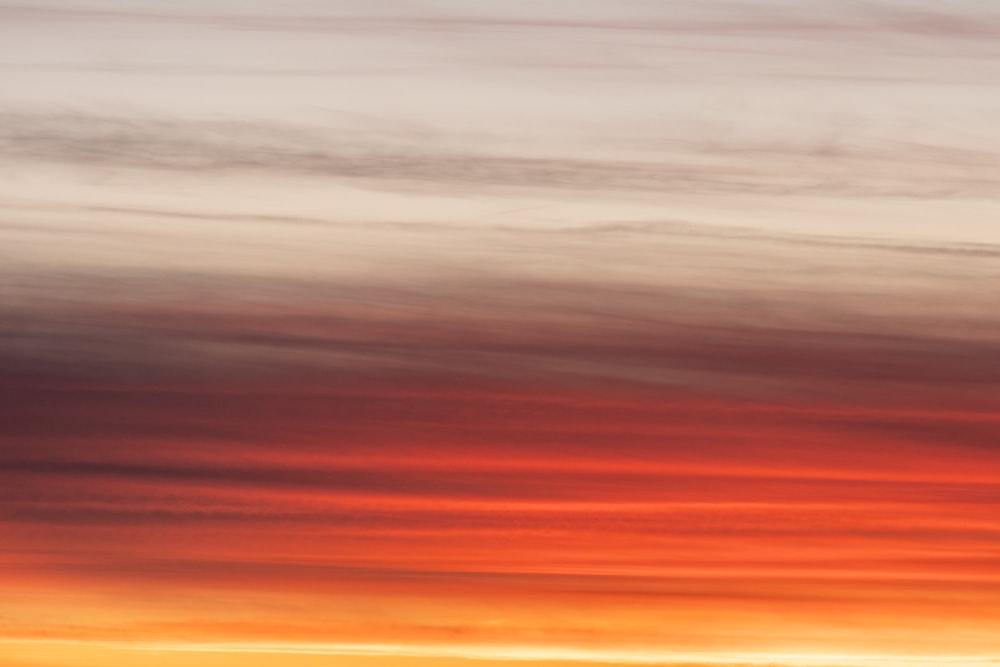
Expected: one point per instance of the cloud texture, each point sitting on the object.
(400, 334)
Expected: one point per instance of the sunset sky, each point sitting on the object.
(500, 333)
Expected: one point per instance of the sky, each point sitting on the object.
(456, 333)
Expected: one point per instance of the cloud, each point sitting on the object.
(764, 164)
(961, 19)
(505, 326)
(348, 419)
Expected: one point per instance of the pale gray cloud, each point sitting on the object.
(837, 163)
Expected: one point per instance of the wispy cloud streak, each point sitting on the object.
(406, 334)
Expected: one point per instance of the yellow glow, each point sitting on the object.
(44, 653)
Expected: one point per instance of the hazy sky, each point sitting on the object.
(588, 331)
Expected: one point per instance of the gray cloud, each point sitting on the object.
(374, 156)
(712, 339)
(957, 19)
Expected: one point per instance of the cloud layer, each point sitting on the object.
(401, 334)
